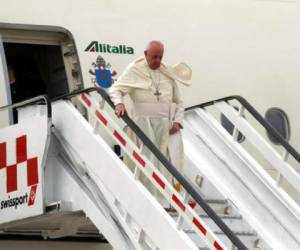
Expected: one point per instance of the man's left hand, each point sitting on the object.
(175, 128)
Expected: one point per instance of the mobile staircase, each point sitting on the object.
(61, 179)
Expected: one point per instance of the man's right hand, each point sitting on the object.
(120, 109)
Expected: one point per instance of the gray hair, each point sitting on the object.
(154, 42)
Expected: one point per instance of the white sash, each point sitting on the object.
(165, 110)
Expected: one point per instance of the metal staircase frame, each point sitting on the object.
(286, 212)
(180, 204)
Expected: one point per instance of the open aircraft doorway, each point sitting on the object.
(34, 70)
(37, 63)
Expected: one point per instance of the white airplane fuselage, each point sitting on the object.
(246, 47)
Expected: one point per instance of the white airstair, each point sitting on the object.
(85, 191)
(259, 208)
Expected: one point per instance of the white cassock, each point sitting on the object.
(156, 106)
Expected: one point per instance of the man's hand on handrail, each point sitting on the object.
(120, 109)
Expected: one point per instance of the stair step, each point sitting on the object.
(216, 201)
(249, 240)
(237, 233)
(193, 174)
(224, 216)
(234, 222)
(219, 206)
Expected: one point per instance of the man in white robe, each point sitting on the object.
(157, 107)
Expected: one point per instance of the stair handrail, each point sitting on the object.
(269, 128)
(31, 101)
(164, 161)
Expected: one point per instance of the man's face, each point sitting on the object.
(154, 55)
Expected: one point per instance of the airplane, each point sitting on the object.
(241, 48)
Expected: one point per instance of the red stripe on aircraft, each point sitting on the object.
(32, 171)
(11, 178)
(21, 148)
(3, 155)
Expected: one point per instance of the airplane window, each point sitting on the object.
(279, 120)
(230, 127)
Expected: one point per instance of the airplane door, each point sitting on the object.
(5, 96)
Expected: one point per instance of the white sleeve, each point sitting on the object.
(179, 111)
(119, 89)
(116, 93)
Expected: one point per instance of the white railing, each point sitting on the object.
(276, 160)
(185, 212)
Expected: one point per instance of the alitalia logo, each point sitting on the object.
(95, 46)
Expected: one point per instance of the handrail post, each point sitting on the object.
(235, 130)
(30, 101)
(279, 176)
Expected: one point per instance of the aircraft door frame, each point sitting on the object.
(5, 94)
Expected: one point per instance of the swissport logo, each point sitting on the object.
(14, 202)
(11, 172)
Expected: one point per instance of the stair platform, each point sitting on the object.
(55, 223)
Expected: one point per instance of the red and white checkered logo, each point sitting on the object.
(12, 169)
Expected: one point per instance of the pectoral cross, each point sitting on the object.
(157, 94)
